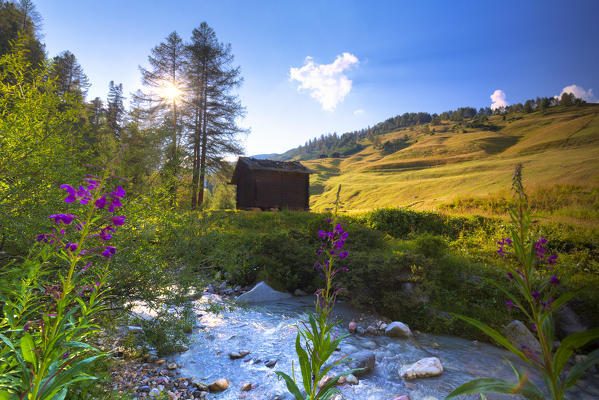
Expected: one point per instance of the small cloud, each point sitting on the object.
(498, 98)
(359, 111)
(579, 92)
(327, 83)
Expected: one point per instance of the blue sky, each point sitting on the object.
(402, 56)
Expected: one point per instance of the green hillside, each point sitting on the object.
(467, 166)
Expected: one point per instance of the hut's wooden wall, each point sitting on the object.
(272, 189)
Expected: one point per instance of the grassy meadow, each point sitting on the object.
(457, 169)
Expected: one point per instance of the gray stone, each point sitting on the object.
(398, 329)
(155, 392)
(364, 360)
(271, 363)
(568, 322)
(262, 293)
(520, 336)
(299, 292)
(238, 354)
(351, 379)
(371, 330)
(427, 367)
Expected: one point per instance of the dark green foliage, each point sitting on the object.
(431, 246)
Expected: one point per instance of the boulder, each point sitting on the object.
(427, 367)
(398, 329)
(219, 385)
(246, 387)
(351, 379)
(568, 322)
(520, 336)
(262, 293)
(364, 360)
(238, 354)
(299, 292)
(353, 326)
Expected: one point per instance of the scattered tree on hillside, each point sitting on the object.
(69, 75)
(115, 110)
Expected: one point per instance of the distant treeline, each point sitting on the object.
(334, 145)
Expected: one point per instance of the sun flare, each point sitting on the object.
(170, 91)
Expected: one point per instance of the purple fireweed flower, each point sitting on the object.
(552, 259)
(520, 273)
(71, 246)
(554, 280)
(114, 204)
(84, 195)
(65, 355)
(101, 203)
(500, 251)
(64, 218)
(510, 275)
(71, 197)
(322, 234)
(319, 252)
(27, 326)
(547, 304)
(117, 221)
(343, 254)
(109, 251)
(332, 252)
(338, 229)
(540, 249)
(49, 315)
(536, 295)
(509, 305)
(41, 237)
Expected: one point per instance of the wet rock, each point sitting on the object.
(398, 329)
(299, 292)
(361, 331)
(352, 327)
(202, 387)
(371, 330)
(238, 354)
(520, 336)
(155, 392)
(363, 360)
(369, 344)
(568, 322)
(143, 389)
(160, 362)
(172, 366)
(246, 387)
(403, 397)
(271, 363)
(219, 385)
(326, 379)
(351, 379)
(427, 367)
(262, 293)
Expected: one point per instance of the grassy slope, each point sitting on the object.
(560, 146)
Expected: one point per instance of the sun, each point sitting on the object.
(170, 91)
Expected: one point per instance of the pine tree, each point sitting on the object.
(69, 75)
(115, 109)
(214, 108)
(167, 62)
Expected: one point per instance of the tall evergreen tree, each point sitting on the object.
(167, 62)
(21, 22)
(215, 108)
(69, 75)
(115, 109)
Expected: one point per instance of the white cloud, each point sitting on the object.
(326, 83)
(359, 111)
(498, 98)
(586, 95)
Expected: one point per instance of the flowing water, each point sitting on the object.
(269, 332)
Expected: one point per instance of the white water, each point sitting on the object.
(268, 331)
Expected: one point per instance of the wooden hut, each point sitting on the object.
(269, 184)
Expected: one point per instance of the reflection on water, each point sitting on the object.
(269, 332)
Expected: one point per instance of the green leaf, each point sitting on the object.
(493, 385)
(563, 299)
(291, 386)
(28, 348)
(498, 337)
(304, 364)
(571, 343)
(4, 396)
(578, 369)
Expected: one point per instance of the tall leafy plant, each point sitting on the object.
(538, 302)
(315, 341)
(48, 312)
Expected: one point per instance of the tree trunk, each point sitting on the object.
(204, 138)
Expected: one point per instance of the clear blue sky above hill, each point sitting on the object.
(401, 56)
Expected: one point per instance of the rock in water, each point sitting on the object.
(299, 292)
(219, 385)
(427, 367)
(520, 336)
(262, 293)
(364, 360)
(398, 329)
(351, 379)
(246, 387)
(353, 326)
